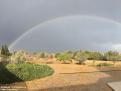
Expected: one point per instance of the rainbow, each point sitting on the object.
(58, 19)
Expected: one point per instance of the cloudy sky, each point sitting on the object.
(60, 24)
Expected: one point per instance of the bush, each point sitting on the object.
(81, 60)
(64, 57)
(42, 55)
(112, 56)
(94, 55)
(18, 57)
(80, 57)
(23, 72)
(57, 55)
(104, 64)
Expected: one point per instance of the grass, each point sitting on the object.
(11, 73)
(104, 64)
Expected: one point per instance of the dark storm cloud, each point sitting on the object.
(17, 16)
(71, 33)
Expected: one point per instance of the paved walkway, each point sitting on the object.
(116, 86)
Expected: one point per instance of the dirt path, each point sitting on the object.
(71, 77)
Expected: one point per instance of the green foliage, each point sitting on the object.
(74, 55)
(57, 55)
(80, 57)
(94, 55)
(64, 57)
(104, 64)
(2, 51)
(5, 51)
(23, 72)
(70, 53)
(112, 56)
(42, 55)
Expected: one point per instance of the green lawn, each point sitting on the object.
(11, 73)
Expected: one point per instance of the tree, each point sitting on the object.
(64, 57)
(94, 55)
(74, 54)
(57, 55)
(42, 55)
(70, 53)
(2, 50)
(5, 50)
(112, 56)
(80, 57)
(19, 57)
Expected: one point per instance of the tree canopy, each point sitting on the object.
(5, 50)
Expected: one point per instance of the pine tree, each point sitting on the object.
(2, 50)
(5, 51)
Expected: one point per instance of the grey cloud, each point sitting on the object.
(19, 16)
(71, 33)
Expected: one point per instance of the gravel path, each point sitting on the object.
(71, 77)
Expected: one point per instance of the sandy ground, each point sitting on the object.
(72, 77)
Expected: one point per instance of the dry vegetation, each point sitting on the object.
(73, 71)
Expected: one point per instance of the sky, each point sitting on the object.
(75, 19)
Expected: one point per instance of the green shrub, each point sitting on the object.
(112, 56)
(57, 55)
(80, 57)
(81, 60)
(104, 64)
(94, 55)
(64, 57)
(11, 73)
(42, 55)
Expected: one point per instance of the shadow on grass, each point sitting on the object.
(8, 80)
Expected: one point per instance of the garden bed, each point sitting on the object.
(12, 73)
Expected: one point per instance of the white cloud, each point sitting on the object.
(116, 47)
